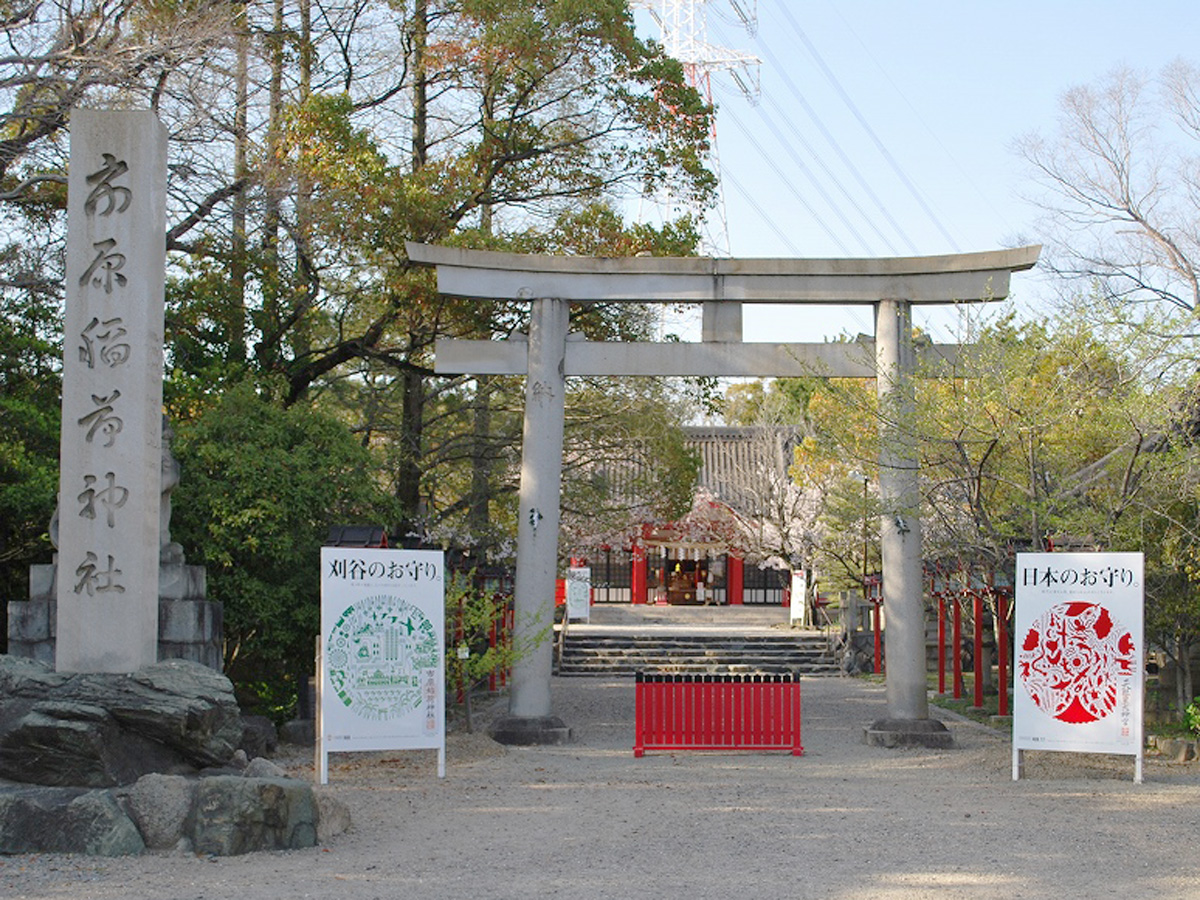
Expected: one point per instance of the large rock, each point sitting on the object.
(236, 815)
(333, 816)
(98, 730)
(259, 736)
(160, 806)
(58, 820)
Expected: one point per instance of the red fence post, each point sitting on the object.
(957, 633)
(639, 715)
(977, 611)
(1001, 628)
(941, 639)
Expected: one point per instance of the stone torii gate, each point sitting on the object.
(551, 283)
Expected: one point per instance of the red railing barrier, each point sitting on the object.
(501, 636)
(717, 712)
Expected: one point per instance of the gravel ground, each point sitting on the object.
(588, 820)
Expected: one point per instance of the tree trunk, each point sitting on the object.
(408, 473)
(420, 36)
(1183, 677)
(237, 268)
(271, 282)
(302, 341)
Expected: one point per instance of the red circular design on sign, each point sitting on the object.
(1071, 658)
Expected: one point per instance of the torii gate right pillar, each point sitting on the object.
(908, 719)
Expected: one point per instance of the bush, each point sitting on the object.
(259, 489)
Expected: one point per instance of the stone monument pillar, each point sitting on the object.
(97, 608)
(109, 480)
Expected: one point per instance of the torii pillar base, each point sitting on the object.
(526, 731)
(908, 733)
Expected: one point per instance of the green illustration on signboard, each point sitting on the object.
(381, 656)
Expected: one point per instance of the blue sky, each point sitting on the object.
(904, 116)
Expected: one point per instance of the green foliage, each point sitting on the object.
(472, 610)
(29, 434)
(1191, 716)
(260, 488)
(778, 401)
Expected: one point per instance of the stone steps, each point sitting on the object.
(626, 654)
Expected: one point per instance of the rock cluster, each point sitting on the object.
(222, 815)
(100, 730)
(1176, 749)
(116, 764)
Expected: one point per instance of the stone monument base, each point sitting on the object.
(524, 731)
(908, 733)
(189, 626)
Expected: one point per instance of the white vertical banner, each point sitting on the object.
(579, 593)
(799, 593)
(1078, 643)
(382, 653)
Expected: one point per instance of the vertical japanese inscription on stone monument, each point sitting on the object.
(110, 480)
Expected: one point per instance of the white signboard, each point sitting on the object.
(579, 593)
(382, 653)
(1078, 654)
(799, 593)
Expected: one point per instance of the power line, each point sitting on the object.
(768, 220)
(917, 117)
(799, 137)
(790, 182)
(887, 155)
(837, 148)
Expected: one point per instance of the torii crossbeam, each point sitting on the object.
(547, 357)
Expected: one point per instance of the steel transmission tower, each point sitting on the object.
(684, 30)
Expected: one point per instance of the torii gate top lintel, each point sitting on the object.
(961, 277)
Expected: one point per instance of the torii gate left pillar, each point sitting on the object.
(891, 286)
(529, 719)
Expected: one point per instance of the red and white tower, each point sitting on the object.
(684, 30)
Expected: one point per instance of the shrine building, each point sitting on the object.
(708, 556)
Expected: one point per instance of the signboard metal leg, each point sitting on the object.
(321, 763)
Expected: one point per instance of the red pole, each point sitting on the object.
(637, 575)
(492, 638)
(941, 643)
(735, 581)
(1002, 649)
(977, 611)
(878, 633)
(957, 650)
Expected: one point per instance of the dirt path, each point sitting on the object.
(588, 820)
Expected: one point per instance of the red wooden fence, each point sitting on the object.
(717, 712)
